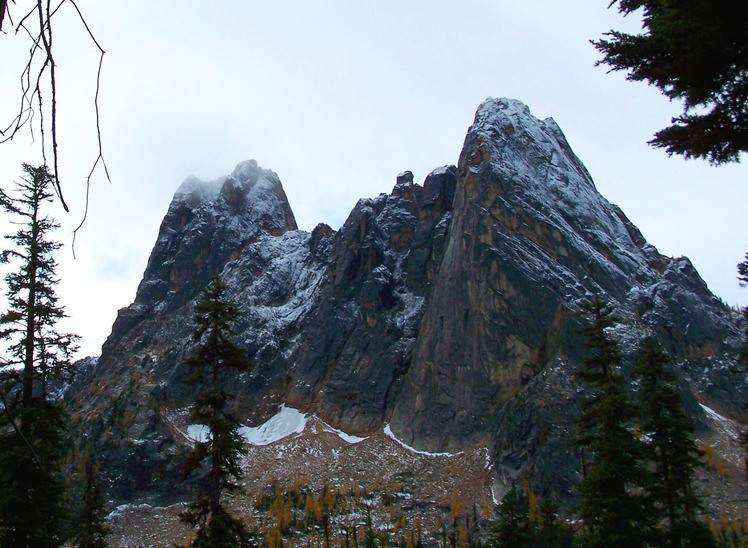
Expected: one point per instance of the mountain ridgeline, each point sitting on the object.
(446, 310)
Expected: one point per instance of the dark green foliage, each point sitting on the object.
(215, 355)
(219, 530)
(743, 352)
(552, 533)
(90, 528)
(610, 501)
(695, 51)
(31, 486)
(38, 353)
(673, 455)
(513, 526)
(743, 277)
(32, 426)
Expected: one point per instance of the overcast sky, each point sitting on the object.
(338, 97)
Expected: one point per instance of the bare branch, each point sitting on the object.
(23, 19)
(12, 420)
(41, 74)
(100, 157)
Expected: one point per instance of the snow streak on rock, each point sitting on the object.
(393, 437)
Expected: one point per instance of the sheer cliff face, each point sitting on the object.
(530, 238)
(445, 309)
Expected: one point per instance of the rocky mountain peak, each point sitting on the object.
(445, 312)
(530, 238)
(206, 225)
(533, 152)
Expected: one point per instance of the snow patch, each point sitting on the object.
(348, 438)
(286, 422)
(489, 464)
(122, 508)
(440, 170)
(388, 432)
(726, 425)
(199, 433)
(496, 500)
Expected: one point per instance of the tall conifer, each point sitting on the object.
(90, 528)
(670, 449)
(513, 527)
(31, 488)
(219, 453)
(743, 352)
(610, 503)
(743, 277)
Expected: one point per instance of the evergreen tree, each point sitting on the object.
(551, 531)
(31, 487)
(215, 356)
(670, 449)
(513, 526)
(743, 352)
(90, 527)
(743, 277)
(695, 51)
(610, 503)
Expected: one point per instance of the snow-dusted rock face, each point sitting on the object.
(207, 225)
(445, 311)
(530, 238)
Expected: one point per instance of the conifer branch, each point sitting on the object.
(17, 430)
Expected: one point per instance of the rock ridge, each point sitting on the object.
(446, 310)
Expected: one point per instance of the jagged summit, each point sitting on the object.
(206, 225)
(529, 162)
(530, 238)
(251, 191)
(444, 310)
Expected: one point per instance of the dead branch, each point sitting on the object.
(40, 73)
(100, 157)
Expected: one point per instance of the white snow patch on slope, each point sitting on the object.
(440, 170)
(391, 435)
(348, 438)
(198, 432)
(496, 500)
(727, 426)
(286, 422)
(122, 508)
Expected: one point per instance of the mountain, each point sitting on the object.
(445, 312)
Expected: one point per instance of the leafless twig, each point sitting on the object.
(100, 157)
(40, 73)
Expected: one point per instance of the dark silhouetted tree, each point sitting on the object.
(673, 455)
(37, 354)
(611, 504)
(512, 526)
(743, 352)
(552, 532)
(695, 51)
(90, 528)
(215, 356)
(743, 277)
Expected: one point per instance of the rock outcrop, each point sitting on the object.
(530, 238)
(446, 310)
